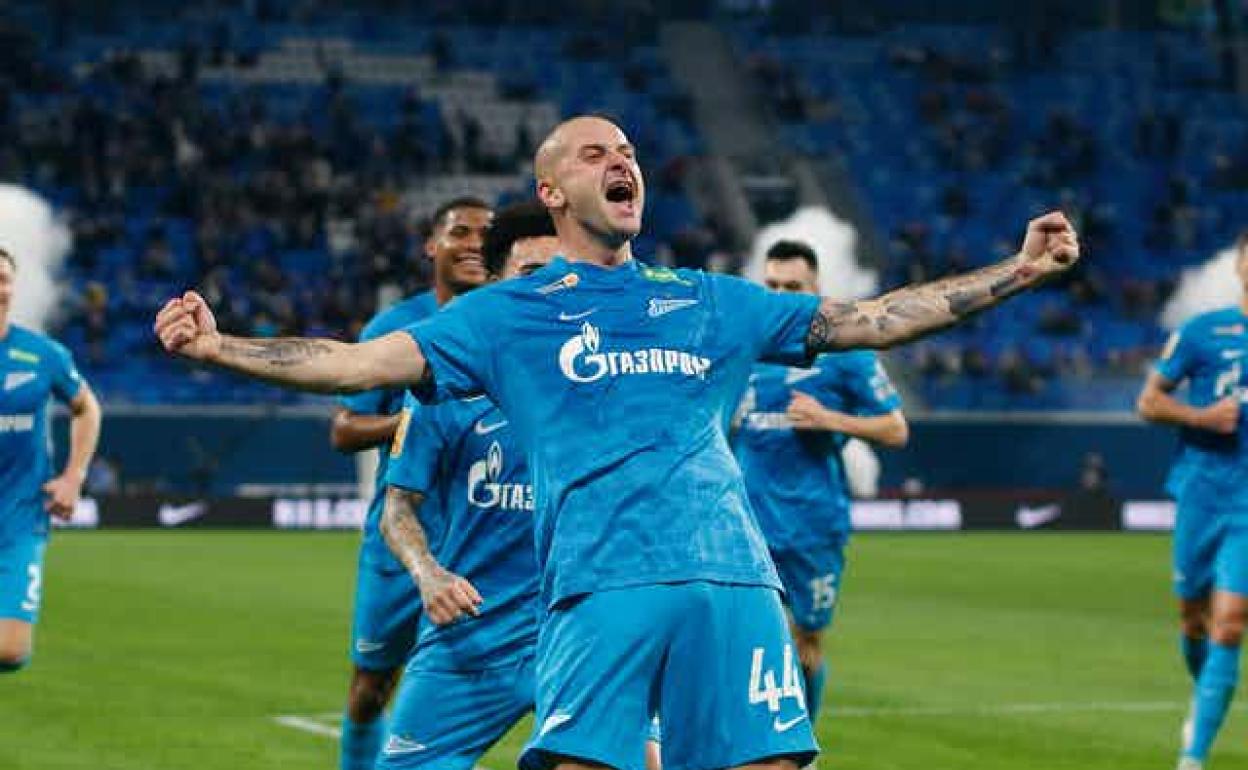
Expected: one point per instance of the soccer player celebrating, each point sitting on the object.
(35, 368)
(460, 489)
(657, 589)
(793, 425)
(387, 606)
(1208, 481)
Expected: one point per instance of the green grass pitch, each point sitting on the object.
(171, 650)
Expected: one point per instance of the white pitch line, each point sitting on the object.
(307, 725)
(1005, 709)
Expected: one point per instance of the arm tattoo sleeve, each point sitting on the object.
(913, 311)
(402, 530)
(281, 352)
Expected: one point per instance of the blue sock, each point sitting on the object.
(1194, 652)
(814, 689)
(361, 742)
(1214, 689)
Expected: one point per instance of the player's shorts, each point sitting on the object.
(812, 582)
(1210, 541)
(387, 616)
(448, 719)
(21, 578)
(716, 661)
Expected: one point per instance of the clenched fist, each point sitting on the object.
(1050, 247)
(186, 326)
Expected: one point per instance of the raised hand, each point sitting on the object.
(187, 327)
(1050, 247)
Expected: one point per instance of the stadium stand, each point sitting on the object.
(949, 131)
(278, 154)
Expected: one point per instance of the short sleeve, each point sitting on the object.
(866, 383)
(454, 350)
(66, 381)
(1178, 356)
(777, 323)
(417, 447)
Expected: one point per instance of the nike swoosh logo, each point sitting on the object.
(782, 727)
(553, 721)
(481, 429)
(364, 646)
(177, 515)
(577, 316)
(397, 745)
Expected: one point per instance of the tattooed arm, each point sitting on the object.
(1050, 247)
(187, 327)
(445, 595)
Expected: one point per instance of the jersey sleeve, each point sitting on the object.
(1178, 357)
(369, 401)
(870, 392)
(66, 381)
(455, 351)
(417, 447)
(775, 324)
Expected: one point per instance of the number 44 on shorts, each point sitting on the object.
(763, 687)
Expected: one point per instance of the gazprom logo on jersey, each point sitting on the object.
(582, 360)
(485, 490)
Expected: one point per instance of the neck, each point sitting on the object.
(442, 293)
(580, 245)
(1243, 305)
(5, 324)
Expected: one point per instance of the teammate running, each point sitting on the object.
(658, 591)
(794, 423)
(35, 368)
(387, 606)
(1209, 480)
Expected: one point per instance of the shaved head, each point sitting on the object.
(557, 142)
(589, 180)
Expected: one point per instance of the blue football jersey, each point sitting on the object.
(619, 382)
(1209, 354)
(796, 478)
(462, 455)
(35, 368)
(385, 401)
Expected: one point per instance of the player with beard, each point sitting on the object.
(658, 591)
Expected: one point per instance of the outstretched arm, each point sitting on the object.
(446, 596)
(187, 327)
(1050, 247)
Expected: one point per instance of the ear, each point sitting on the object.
(429, 248)
(550, 196)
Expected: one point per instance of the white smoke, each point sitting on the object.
(1208, 287)
(840, 276)
(833, 239)
(39, 240)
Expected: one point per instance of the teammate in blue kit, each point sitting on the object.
(387, 606)
(459, 515)
(793, 424)
(658, 593)
(35, 369)
(1209, 480)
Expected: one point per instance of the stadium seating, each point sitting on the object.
(947, 132)
(278, 165)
